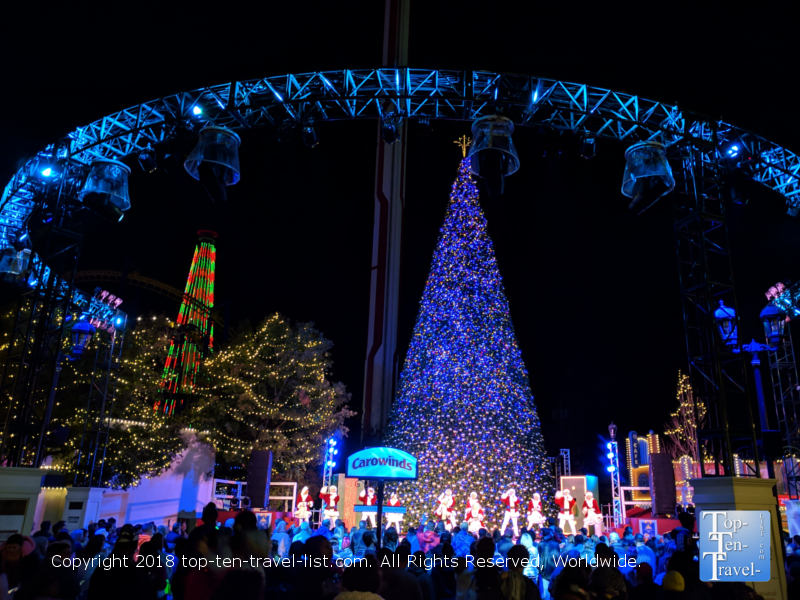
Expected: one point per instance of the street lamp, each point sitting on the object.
(774, 321)
(726, 323)
(82, 333)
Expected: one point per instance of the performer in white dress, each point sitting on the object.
(446, 509)
(394, 519)
(330, 497)
(303, 506)
(565, 503)
(474, 514)
(535, 517)
(512, 511)
(592, 516)
(368, 498)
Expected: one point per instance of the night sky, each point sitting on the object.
(592, 288)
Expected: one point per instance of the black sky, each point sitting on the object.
(592, 288)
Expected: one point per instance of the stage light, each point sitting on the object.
(612, 431)
(47, 172)
(196, 110)
(726, 324)
(19, 242)
(610, 468)
(733, 150)
(81, 336)
(118, 321)
(493, 154)
(310, 135)
(106, 189)
(214, 162)
(390, 127)
(147, 159)
(332, 442)
(336, 452)
(610, 455)
(588, 146)
(286, 131)
(647, 176)
(608, 445)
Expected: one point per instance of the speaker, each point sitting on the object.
(258, 478)
(662, 484)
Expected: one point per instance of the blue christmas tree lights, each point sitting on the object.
(464, 406)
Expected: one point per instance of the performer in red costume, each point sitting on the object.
(446, 510)
(565, 503)
(394, 519)
(303, 506)
(535, 517)
(330, 497)
(368, 498)
(592, 516)
(474, 515)
(512, 511)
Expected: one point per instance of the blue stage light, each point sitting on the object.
(535, 96)
(278, 96)
(118, 321)
(610, 468)
(23, 236)
(733, 150)
(332, 442)
(47, 172)
(608, 445)
(609, 456)
(196, 110)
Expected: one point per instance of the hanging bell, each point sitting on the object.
(106, 189)
(214, 162)
(648, 175)
(493, 155)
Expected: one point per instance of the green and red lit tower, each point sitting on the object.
(195, 328)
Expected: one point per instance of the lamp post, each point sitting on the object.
(774, 321)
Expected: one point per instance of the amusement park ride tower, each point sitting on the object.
(194, 328)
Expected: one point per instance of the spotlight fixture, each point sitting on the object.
(286, 131)
(21, 241)
(147, 159)
(106, 189)
(197, 111)
(588, 146)
(214, 162)
(310, 135)
(390, 127)
(493, 154)
(647, 176)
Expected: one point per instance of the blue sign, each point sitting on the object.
(734, 545)
(647, 527)
(382, 463)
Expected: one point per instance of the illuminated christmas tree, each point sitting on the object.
(195, 329)
(464, 406)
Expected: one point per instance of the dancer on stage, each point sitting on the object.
(446, 510)
(592, 517)
(535, 517)
(394, 519)
(368, 498)
(330, 497)
(303, 506)
(512, 511)
(565, 503)
(474, 515)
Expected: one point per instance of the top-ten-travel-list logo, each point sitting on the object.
(734, 545)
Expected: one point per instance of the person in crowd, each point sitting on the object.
(505, 543)
(44, 531)
(356, 539)
(280, 539)
(443, 574)
(390, 540)
(606, 579)
(531, 570)
(462, 540)
(92, 554)
(153, 570)
(645, 587)
(173, 535)
(418, 570)
(125, 581)
(682, 535)
(513, 582)
(242, 584)
(396, 582)
(304, 534)
(12, 563)
(78, 539)
(360, 582)
(411, 536)
(368, 541)
(428, 539)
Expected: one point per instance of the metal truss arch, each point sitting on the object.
(417, 94)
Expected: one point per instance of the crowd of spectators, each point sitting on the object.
(237, 560)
